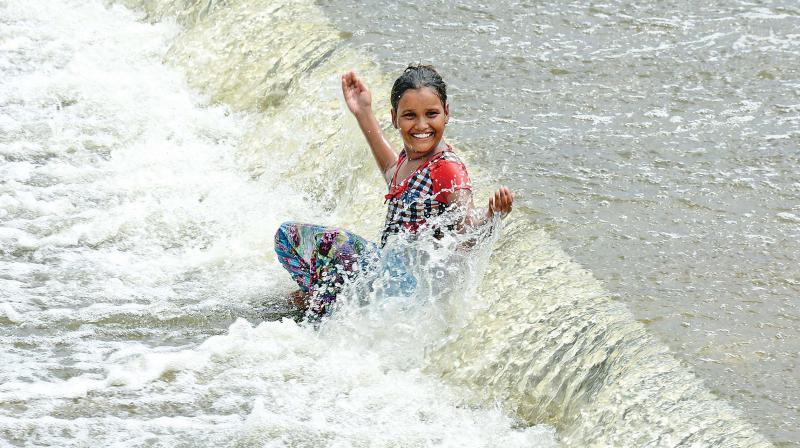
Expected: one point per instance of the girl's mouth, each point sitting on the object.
(422, 136)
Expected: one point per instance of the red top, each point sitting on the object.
(423, 194)
(448, 174)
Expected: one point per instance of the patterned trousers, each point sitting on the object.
(321, 259)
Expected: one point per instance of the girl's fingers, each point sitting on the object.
(349, 80)
(346, 86)
(352, 86)
(496, 202)
(500, 202)
(503, 198)
(352, 79)
(357, 83)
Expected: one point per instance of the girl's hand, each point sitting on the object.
(356, 94)
(500, 202)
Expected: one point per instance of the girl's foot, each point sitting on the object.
(299, 299)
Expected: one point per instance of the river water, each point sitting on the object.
(657, 142)
(643, 293)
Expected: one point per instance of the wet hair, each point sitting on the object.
(417, 77)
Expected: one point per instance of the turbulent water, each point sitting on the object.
(148, 155)
(657, 142)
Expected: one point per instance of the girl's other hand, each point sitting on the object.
(356, 94)
(500, 202)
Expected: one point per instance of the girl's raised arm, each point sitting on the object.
(359, 101)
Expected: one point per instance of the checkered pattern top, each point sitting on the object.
(421, 196)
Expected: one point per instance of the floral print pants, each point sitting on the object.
(321, 259)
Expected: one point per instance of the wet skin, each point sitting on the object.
(421, 118)
(419, 111)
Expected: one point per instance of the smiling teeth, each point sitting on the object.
(429, 134)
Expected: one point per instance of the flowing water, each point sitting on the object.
(657, 142)
(148, 155)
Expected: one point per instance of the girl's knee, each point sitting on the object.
(283, 229)
(282, 234)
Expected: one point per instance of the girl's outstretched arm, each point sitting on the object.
(500, 202)
(359, 101)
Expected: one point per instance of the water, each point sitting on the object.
(134, 243)
(657, 142)
(148, 156)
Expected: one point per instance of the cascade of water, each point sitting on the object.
(137, 221)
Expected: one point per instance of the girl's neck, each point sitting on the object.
(411, 154)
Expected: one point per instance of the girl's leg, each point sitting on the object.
(321, 259)
(291, 249)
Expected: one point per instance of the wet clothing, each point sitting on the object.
(423, 194)
(321, 259)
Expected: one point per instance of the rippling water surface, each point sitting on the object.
(658, 142)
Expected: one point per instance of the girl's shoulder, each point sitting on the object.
(448, 160)
(449, 172)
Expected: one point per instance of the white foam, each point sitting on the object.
(9, 312)
(302, 383)
(788, 217)
(129, 211)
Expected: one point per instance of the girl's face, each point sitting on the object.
(421, 118)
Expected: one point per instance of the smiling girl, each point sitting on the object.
(426, 180)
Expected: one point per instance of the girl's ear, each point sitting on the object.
(394, 118)
(446, 113)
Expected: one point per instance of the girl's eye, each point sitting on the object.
(409, 115)
(433, 114)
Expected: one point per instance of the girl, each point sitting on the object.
(426, 180)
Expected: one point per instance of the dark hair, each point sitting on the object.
(417, 77)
